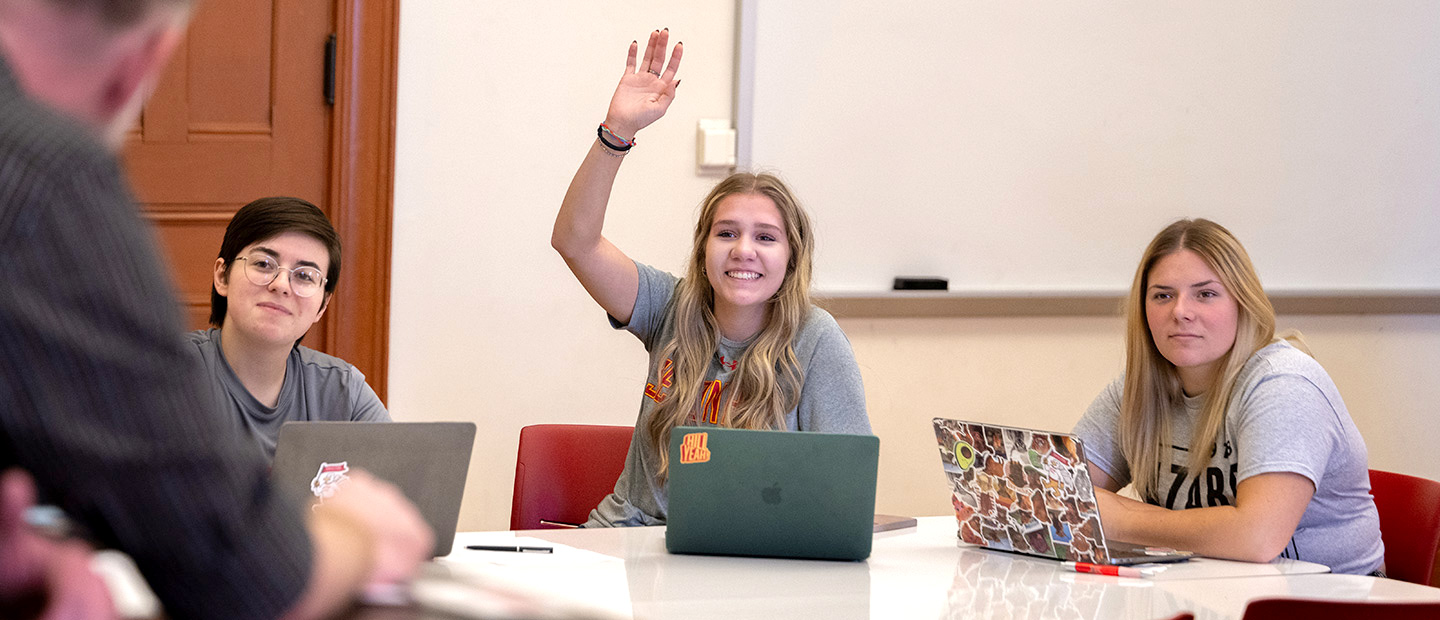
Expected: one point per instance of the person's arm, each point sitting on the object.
(1102, 480)
(1099, 431)
(1283, 439)
(641, 98)
(1267, 509)
(118, 430)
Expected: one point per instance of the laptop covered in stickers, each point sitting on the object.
(427, 461)
(781, 494)
(1029, 491)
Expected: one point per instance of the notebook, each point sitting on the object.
(428, 461)
(1029, 491)
(771, 493)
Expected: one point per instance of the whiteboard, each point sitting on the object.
(1038, 146)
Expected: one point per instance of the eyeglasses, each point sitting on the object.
(262, 270)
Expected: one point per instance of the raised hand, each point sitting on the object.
(645, 92)
(647, 88)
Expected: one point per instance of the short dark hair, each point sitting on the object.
(267, 218)
(119, 13)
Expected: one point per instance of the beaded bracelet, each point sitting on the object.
(603, 130)
(605, 148)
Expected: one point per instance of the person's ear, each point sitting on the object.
(324, 305)
(137, 67)
(222, 278)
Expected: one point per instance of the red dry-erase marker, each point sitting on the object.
(1098, 569)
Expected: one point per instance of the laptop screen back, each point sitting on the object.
(771, 493)
(428, 461)
(1021, 490)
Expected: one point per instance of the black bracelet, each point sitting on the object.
(618, 148)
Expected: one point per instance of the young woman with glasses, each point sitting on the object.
(736, 341)
(278, 265)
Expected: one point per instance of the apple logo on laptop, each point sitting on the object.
(771, 494)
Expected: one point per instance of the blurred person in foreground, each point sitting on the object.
(98, 402)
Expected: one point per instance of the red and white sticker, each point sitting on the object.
(328, 479)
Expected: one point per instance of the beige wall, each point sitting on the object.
(497, 104)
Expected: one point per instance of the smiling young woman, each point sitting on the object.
(278, 266)
(1238, 442)
(734, 343)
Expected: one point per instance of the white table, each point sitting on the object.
(918, 572)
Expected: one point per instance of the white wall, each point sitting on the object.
(1083, 127)
(497, 104)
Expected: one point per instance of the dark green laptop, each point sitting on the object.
(771, 493)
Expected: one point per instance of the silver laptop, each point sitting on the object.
(1029, 491)
(428, 461)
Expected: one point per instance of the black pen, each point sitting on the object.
(516, 549)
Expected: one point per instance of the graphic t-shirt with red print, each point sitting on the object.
(832, 399)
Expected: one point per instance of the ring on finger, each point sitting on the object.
(653, 72)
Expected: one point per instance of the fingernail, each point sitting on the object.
(667, 30)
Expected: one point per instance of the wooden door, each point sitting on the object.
(241, 113)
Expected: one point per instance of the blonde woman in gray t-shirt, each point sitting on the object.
(736, 341)
(1239, 443)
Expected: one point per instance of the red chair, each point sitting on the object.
(1409, 524)
(1312, 609)
(562, 471)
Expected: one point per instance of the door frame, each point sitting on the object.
(362, 183)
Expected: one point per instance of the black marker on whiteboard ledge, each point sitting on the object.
(920, 283)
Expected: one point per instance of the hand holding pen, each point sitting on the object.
(40, 574)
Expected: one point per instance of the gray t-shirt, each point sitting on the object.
(832, 399)
(318, 387)
(1285, 415)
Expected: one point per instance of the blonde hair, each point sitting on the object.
(1153, 394)
(768, 379)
